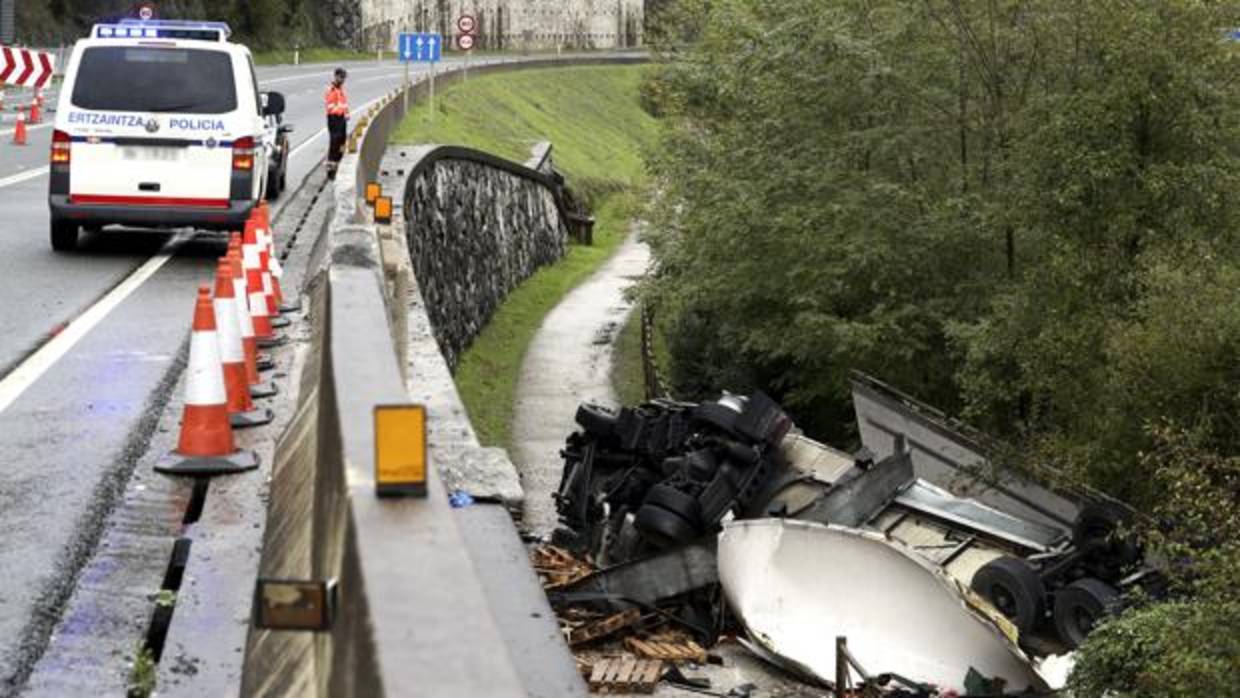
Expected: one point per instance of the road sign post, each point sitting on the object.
(465, 41)
(421, 48)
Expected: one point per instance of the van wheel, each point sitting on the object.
(274, 186)
(64, 236)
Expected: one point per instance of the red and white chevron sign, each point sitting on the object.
(24, 68)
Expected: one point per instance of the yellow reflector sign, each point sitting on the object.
(383, 209)
(373, 190)
(400, 450)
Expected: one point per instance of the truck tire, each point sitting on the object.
(1013, 587)
(1079, 606)
(64, 236)
(668, 517)
(1102, 522)
(598, 421)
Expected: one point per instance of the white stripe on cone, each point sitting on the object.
(229, 331)
(204, 384)
(244, 322)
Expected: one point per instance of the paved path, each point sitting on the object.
(568, 362)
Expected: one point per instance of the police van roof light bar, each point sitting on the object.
(163, 29)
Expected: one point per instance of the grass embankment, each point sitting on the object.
(593, 119)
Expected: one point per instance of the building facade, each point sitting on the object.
(513, 25)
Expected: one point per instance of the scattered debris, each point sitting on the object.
(820, 544)
(557, 567)
(607, 626)
(674, 646)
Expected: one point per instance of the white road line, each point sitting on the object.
(36, 127)
(30, 370)
(324, 73)
(24, 176)
(321, 132)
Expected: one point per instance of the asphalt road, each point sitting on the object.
(88, 349)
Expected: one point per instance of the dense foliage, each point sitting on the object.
(259, 23)
(1022, 211)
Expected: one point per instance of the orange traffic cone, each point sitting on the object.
(258, 288)
(35, 112)
(255, 362)
(277, 269)
(263, 241)
(206, 445)
(241, 409)
(19, 133)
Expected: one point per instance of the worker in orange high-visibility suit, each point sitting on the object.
(337, 121)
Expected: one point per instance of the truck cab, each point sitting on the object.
(160, 124)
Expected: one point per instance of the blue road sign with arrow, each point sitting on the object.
(420, 48)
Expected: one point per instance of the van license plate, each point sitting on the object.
(151, 153)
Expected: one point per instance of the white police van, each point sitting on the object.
(160, 124)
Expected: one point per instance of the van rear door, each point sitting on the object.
(151, 126)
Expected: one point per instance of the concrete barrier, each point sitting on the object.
(434, 601)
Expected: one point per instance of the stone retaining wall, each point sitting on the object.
(477, 226)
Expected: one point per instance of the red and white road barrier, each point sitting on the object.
(206, 445)
(25, 68)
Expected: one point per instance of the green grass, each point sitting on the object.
(487, 373)
(626, 367)
(591, 116)
(598, 130)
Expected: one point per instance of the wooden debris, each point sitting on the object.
(625, 674)
(604, 627)
(557, 567)
(674, 649)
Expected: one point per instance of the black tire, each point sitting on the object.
(685, 506)
(64, 236)
(1079, 606)
(1102, 522)
(718, 416)
(663, 528)
(598, 421)
(1013, 587)
(668, 517)
(274, 187)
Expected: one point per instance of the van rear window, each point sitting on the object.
(138, 78)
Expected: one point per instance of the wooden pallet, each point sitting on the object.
(557, 567)
(604, 627)
(625, 675)
(672, 649)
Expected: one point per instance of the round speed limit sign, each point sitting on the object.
(465, 42)
(467, 24)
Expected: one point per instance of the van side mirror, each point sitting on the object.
(273, 103)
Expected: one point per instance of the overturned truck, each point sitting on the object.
(646, 490)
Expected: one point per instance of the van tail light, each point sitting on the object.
(243, 154)
(61, 148)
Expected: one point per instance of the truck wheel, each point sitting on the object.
(668, 516)
(663, 528)
(1101, 522)
(1013, 587)
(597, 420)
(64, 236)
(1079, 606)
